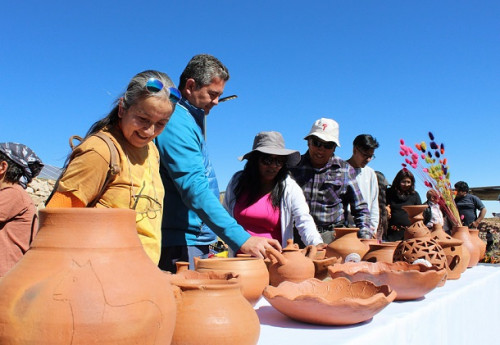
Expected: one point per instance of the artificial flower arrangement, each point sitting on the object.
(435, 175)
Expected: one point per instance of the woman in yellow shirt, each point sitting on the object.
(137, 118)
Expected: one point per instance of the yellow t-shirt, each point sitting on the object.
(139, 175)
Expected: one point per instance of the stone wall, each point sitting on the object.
(39, 190)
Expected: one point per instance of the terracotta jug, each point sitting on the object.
(462, 233)
(479, 242)
(86, 280)
(381, 252)
(213, 311)
(456, 257)
(289, 265)
(252, 272)
(346, 242)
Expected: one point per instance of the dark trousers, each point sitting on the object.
(171, 255)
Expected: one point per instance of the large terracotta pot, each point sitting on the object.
(456, 256)
(479, 242)
(289, 265)
(252, 272)
(346, 242)
(462, 233)
(213, 311)
(86, 280)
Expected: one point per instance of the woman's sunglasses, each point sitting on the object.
(153, 85)
(277, 161)
(326, 145)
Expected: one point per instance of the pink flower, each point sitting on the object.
(402, 141)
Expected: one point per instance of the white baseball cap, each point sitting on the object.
(326, 130)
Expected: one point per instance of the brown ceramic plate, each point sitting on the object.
(409, 281)
(331, 302)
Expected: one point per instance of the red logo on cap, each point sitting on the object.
(324, 126)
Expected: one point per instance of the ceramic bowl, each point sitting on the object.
(332, 302)
(409, 281)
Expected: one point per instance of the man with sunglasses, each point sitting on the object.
(191, 205)
(363, 152)
(329, 183)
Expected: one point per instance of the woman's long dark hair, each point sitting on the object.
(396, 184)
(250, 182)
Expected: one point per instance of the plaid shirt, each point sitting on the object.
(329, 190)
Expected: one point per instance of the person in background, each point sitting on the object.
(18, 220)
(137, 118)
(467, 205)
(329, 183)
(401, 193)
(265, 199)
(433, 214)
(193, 214)
(382, 203)
(363, 152)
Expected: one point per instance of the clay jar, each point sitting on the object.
(381, 252)
(346, 242)
(252, 272)
(462, 233)
(474, 233)
(456, 256)
(289, 265)
(86, 279)
(213, 311)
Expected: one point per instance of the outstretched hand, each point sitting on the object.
(256, 246)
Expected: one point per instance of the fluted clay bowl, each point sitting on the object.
(331, 302)
(409, 281)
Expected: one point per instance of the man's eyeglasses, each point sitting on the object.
(366, 155)
(151, 205)
(153, 85)
(326, 145)
(268, 160)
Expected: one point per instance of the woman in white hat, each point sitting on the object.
(264, 199)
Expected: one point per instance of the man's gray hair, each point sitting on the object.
(203, 68)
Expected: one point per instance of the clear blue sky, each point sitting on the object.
(394, 69)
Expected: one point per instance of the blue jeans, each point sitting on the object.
(170, 255)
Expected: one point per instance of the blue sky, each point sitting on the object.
(393, 69)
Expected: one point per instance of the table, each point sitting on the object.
(463, 311)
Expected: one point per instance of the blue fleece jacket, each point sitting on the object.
(191, 205)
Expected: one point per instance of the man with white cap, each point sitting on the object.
(329, 183)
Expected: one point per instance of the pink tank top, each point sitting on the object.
(260, 218)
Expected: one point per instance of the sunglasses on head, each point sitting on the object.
(268, 160)
(326, 145)
(153, 85)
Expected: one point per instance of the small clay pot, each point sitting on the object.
(381, 252)
(346, 242)
(212, 311)
(456, 257)
(289, 265)
(252, 273)
(462, 233)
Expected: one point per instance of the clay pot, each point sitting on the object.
(252, 272)
(213, 311)
(289, 265)
(462, 233)
(409, 281)
(381, 252)
(456, 257)
(86, 280)
(332, 302)
(479, 242)
(346, 242)
(321, 263)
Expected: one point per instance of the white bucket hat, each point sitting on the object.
(326, 130)
(272, 143)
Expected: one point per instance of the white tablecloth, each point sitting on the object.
(463, 311)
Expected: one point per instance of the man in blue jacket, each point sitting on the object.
(191, 206)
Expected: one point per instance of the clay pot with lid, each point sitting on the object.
(252, 272)
(289, 265)
(456, 256)
(462, 233)
(212, 310)
(86, 280)
(480, 244)
(346, 242)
